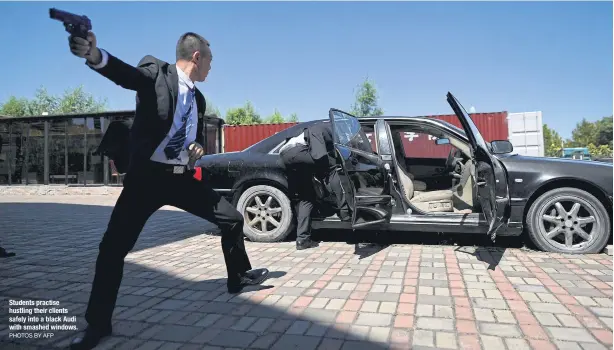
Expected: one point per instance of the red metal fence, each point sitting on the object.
(492, 126)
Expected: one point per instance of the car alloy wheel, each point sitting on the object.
(568, 220)
(266, 213)
(568, 223)
(263, 213)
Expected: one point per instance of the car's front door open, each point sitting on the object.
(491, 178)
(363, 175)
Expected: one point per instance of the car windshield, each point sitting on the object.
(453, 127)
(461, 131)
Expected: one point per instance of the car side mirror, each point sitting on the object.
(501, 147)
(442, 141)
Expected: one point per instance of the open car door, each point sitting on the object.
(493, 192)
(364, 177)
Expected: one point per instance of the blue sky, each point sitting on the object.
(307, 57)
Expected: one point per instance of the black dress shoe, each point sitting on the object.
(249, 278)
(306, 244)
(90, 339)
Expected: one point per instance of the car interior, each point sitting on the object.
(456, 176)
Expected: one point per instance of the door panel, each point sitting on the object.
(493, 192)
(363, 175)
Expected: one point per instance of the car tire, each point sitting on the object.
(276, 215)
(581, 217)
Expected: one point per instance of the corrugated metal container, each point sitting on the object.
(239, 137)
(492, 126)
(526, 133)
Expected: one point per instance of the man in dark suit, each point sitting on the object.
(308, 155)
(166, 135)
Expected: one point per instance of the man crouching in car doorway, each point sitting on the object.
(309, 158)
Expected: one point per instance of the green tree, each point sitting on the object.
(599, 151)
(275, 118)
(552, 142)
(366, 101)
(245, 115)
(604, 131)
(583, 134)
(14, 107)
(72, 101)
(597, 136)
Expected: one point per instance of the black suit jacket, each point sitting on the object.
(157, 85)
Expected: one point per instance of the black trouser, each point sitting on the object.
(300, 170)
(300, 182)
(146, 190)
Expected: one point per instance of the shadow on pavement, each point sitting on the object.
(173, 294)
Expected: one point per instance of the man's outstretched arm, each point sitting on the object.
(109, 66)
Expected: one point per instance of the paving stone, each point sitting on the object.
(569, 321)
(173, 333)
(517, 344)
(570, 334)
(602, 311)
(549, 307)
(547, 319)
(431, 323)
(423, 338)
(502, 330)
(504, 316)
(591, 346)
(261, 325)
(484, 315)
(445, 340)
(371, 319)
(490, 342)
(490, 304)
(299, 327)
(585, 292)
(434, 300)
(230, 338)
(324, 316)
(334, 294)
(286, 342)
(382, 297)
(379, 334)
(609, 321)
(265, 341)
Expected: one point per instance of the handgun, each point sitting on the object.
(76, 25)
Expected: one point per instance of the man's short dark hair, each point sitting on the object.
(189, 43)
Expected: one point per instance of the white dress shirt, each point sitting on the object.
(297, 140)
(183, 98)
(182, 107)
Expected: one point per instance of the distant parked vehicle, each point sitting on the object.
(579, 153)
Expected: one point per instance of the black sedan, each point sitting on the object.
(481, 188)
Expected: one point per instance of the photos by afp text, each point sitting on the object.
(38, 319)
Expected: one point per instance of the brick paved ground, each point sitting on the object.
(402, 296)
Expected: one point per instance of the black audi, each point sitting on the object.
(481, 187)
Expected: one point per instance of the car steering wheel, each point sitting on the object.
(454, 164)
